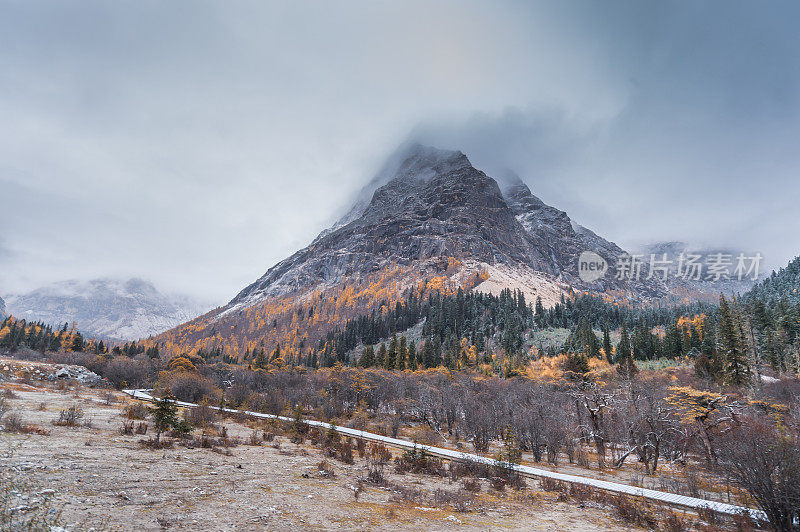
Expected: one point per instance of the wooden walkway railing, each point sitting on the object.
(671, 499)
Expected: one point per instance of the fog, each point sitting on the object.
(198, 143)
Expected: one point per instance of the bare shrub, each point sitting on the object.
(692, 478)
(13, 422)
(549, 484)
(361, 448)
(156, 444)
(375, 470)
(325, 470)
(122, 371)
(468, 468)
(708, 515)
(459, 501)
(269, 436)
(202, 416)
(498, 483)
(345, 452)
(141, 428)
(126, 428)
(471, 485)
(635, 512)
(191, 387)
(379, 453)
(109, 398)
(764, 459)
(135, 410)
(416, 460)
(70, 417)
(671, 522)
(255, 440)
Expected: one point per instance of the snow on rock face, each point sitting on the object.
(108, 308)
(428, 203)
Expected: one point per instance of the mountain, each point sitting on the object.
(434, 205)
(779, 287)
(107, 308)
(429, 221)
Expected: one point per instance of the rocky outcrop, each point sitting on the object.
(429, 203)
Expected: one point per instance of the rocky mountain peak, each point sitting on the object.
(429, 203)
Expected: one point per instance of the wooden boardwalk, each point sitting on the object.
(664, 497)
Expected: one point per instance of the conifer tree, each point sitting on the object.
(737, 372)
(165, 414)
(607, 345)
(391, 354)
(367, 359)
(381, 358)
(624, 345)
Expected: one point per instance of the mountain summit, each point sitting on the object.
(427, 204)
(428, 221)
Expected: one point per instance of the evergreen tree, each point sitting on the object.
(607, 349)
(391, 354)
(381, 359)
(367, 359)
(539, 315)
(77, 342)
(737, 372)
(624, 345)
(412, 356)
(165, 414)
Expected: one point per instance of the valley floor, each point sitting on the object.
(104, 480)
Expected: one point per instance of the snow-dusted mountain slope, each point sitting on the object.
(109, 308)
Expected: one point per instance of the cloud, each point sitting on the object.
(197, 144)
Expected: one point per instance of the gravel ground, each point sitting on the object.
(104, 480)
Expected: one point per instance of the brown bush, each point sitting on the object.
(416, 460)
(361, 448)
(135, 410)
(127, 428)
(202, 416)
(69, 417)
(379, 453)
(190, 387)
(635, 512)
(13, 422)
(154, 445)
(122, 371)
(255, 440)
(346, 452)
(468, 468)
(471, 485)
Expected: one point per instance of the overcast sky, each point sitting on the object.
(198, 143)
